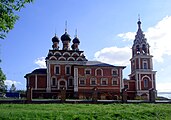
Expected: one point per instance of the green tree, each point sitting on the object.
(3, 87)
(8, 16)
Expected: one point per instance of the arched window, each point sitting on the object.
(138, 49)
(144, 49)
(82, 81)
(114, 72)
(146, 83)
(99, 72)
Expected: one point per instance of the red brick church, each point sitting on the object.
(68, 69)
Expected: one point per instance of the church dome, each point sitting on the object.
(76, 40)
(55, 39)
(65, 37)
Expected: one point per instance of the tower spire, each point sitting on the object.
(66, 26)
(139, 22)
(75, 32)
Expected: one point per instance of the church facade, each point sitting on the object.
(69, 70)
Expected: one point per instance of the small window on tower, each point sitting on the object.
(138, 49)
(145, 64)
(146, 83)
(144, 49)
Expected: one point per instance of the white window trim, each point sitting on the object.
(84, 81)
(114, 70)
(91, 79)
(101, 71)
(115, 79)
(145, 61)
(86, 70)
(106, 79)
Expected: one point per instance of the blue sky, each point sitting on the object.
(106, 30)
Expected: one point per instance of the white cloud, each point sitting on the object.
(157, 36)
(127, 36)
(114, 55)
(10, 82)
(40, 62)
(164, 87)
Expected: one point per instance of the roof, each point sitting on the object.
(37, 71)
(100, 64)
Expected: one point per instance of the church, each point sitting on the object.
(68, 69)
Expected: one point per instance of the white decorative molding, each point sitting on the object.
(75, 79)
(71, 59)
(75, 53)
(52, 58)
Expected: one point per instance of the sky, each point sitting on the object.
(106, 30)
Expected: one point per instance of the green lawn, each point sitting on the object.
(85, 112)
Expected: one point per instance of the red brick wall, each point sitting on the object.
(41, 81)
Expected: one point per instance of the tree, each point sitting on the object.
(3, 87)
(8, 17)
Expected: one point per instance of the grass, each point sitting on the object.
(85, 112)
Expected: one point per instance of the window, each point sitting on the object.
(57, 69)
(144, 49)
(82, 81)
(145, 83)
(114, 72)
(70, 82)
(138, 49)
(126, 86)
(87, 71)
(114, 81)
(53, 81)
(144, 64)
(104, 81)
(68, 70)
(93, 81)
(99, 72)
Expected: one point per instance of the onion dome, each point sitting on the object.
(76, 40)
(65, 37)
(55, 39)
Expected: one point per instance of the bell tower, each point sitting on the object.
(142, 64)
